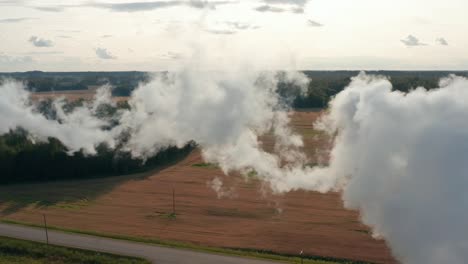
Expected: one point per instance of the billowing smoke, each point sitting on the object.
(397, 158)
(78, 129)
(224, 113)
(401, 159)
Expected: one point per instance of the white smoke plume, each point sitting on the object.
(78, 129)
(224, 113)
(401, 160)
(397, 158)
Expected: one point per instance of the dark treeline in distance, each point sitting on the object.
(22, 160)
(324, 85)
(38, 81)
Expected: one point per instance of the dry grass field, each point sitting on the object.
(71, 95)
(247, 216)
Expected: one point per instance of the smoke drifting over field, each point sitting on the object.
(80, 129)
(398, 158)
(401, 160)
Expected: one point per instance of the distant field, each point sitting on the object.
(245, 216)
(15, 251)
(72, 95)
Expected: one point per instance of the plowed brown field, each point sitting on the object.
(247, 216)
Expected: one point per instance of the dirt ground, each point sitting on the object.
(246, 216)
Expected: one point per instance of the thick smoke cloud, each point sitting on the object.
(397, 158)
(215, 111)
(79, 129)
(401, 160)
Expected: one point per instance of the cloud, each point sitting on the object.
(240, 25)
(147, 6)
(289, 2)
(16, 20)
(13, 63)
(221, 31)
(127, 7)
(5, 59)
(297, 10)
(41, 43)
(229, 27)
(44, 52)
(11, 2)
(68, 31)
(412, 41)
(313, 23)
(50, 8)
(279, 6)
(269, 8)
(104, 54)
(171, 55)
(442, 41)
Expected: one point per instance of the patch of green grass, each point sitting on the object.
(206, 165)
(251, 253)
(252, 174)
(227, 212)
(73, 205)
(69, 203)
(367, 232)
(14, 251)
(306, 133)
(163, 215)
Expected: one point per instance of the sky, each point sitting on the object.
(273, 34)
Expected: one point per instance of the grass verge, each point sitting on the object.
(16, 251)
(251, 253)
(206, 165)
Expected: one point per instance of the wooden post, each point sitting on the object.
(173, 201)
(45, 227)
(302, 259)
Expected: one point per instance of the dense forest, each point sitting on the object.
(23, 160)
(38, 81)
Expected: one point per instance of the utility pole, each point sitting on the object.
(45, 227)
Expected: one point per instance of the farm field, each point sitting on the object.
(71, 95)
(243, 215)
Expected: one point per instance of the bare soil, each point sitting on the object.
(246, 216)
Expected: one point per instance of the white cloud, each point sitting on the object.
(102, 53)
(15, 20)
(313, 23)
(269, 8)
(412, 41)
(41, 43)
(442, 41)
(153, 5)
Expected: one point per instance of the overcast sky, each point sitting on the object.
(163, 35)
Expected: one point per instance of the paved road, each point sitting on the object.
(156, 254)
